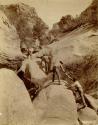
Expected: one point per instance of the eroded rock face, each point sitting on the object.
(55, 105)
(10, 54)
(15, 103)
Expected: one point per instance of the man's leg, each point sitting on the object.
(49, 65)
(46, 68)
(58, 74)
(54, 72)
(83, 99)
(53, 78)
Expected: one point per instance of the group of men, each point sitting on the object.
(46, 62)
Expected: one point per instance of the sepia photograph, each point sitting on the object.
(48, 62)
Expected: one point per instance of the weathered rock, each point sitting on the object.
(91, 102)
(33, 71)
(15, 103)
(55, 105)
(88, 116)
(10, 54)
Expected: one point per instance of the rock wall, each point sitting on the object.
(15, 103)
(10, 54)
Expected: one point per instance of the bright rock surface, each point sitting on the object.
(88, 116)
(15, 103)
(55, 105)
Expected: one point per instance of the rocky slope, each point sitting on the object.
(28, 24)
(68, 23)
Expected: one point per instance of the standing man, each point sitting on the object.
(55, 71)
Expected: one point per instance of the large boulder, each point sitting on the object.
(91, 102)
(55, 105)
(10, 54)
(87, 116)
(15, 103)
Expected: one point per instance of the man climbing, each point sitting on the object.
(76, 88)
(78, 93)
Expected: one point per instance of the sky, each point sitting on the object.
(52, 10)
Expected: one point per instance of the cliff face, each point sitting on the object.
(68, 23)
(10, 54)
(90, 15)
(27, 23)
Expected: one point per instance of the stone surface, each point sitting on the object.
(55, 105)
(10, 54)
(92, 102)
(15, 103)
(88, 116)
